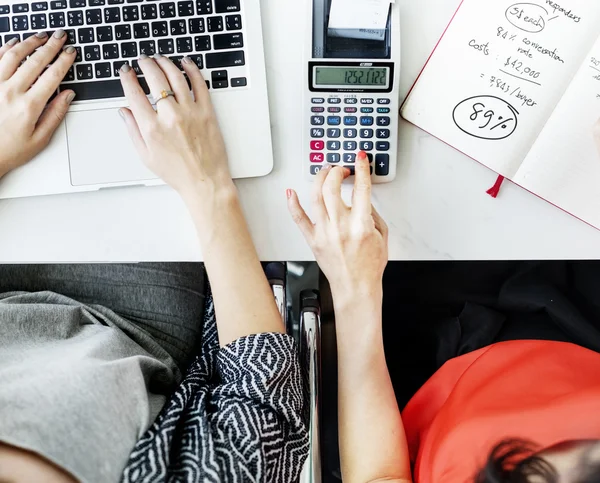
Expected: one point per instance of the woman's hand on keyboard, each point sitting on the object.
(181, 141)
(350, 244)
(26, 123)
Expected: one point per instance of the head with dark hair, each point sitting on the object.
(520, 461)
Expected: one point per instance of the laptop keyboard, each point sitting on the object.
(109, 33)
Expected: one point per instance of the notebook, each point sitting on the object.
(516, 86)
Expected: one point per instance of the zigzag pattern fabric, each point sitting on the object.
(236, 417)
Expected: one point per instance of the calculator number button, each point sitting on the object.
(366, 133)
(350, 133)
(334, 133)
(317, 145)
(333, 158)
(349, 157)
(383, 133)
(318, 100)
(382, 146)
(350, 145)
(315, 169)
(350, 121)
(383, 121)
(334, 120)
(382, 164)
(367, 101)
(334, 145)
(366, 146)
(317, 157)
(317, 132)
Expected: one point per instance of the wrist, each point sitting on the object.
(209, 197)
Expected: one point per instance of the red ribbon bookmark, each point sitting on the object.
(495, 190)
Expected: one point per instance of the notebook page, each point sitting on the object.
(563, 166)
(498, 73)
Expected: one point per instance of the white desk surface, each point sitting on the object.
(437, 208)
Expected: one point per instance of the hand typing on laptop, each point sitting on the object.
(26, 124)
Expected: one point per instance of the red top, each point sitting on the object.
(545, 392)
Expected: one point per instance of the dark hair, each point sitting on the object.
(516, 461)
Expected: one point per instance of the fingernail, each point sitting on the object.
(12, 41)
(125, 68)
(143, 56)
(70, 97)
(122, 114)
(41, 35)
(59, 34)
(157, 56)
(288, 193)
(186, 60)
(70, 49)
(362, 154)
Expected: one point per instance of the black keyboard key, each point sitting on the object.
(122, 32)
(71, 37)
(204, 7)
(93, 16)
(197, 59)
(112, 15)
(20, 23)
(110, 51)
(9, 37)
(233, 22)
(77, 3)
(78, 55)
(36, 7)
(167, 10)
(149, 12)
(84, 71)
(116, 2)
(239, 82)
(184, 45)
(85, 35)
(75, 18)
(56, 20)
(25, 36)
(219, 75)
(136, 1)
(159, 29)
(106, 89)
(196, 25)
(20, 8)
(58, 5)
(382, 164)
(224, 6)
(4, 24)
(96, 3)
(141, 30)
(129, 49)
(166, 46)
(104, 34)
(202, 43)
(135, 65)
(228, 41)
(131, 13)
(215, 24)
(91, 53)
(220, 84)
(185, 9)
(177, 61)
(38, 22)
(148, 47)
(103, 70)
(178, 27)
(225, 59)
(70, 75)
(4, 9)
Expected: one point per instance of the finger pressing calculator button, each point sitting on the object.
(317, 120)
(349, 157)
(351, 100)
(334, 120)
(366, 121)
(318, 100)
(317, 157)
(366, 146)
(383, 101)
(350, 121)
(352, 169)
(367, 100)
(315, 169)
(334, 100)
(383, 133)
(334, 133)
(370, 157)
(317, 145)
(383, 110)
(350, 133)
(350, 145)
(383, 121)
(333, 158)
(366, 133)
(318, 109)
(382, 164)
(317, 132)
(382, 146)
(333, 145)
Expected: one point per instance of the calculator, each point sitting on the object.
(352, 100)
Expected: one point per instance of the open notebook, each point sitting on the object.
(516, 86)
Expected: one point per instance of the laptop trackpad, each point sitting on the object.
(100, 151)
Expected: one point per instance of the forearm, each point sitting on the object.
(244, 302)
(371, 433)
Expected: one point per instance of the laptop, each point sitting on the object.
(91, 150)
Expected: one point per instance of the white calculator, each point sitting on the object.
(352, 100)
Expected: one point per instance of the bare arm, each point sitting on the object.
(350, 245)
(181, 142)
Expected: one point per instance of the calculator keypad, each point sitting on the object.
(348, 125)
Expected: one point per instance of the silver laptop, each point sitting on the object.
(91, 150)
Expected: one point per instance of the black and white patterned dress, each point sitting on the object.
(236, 417)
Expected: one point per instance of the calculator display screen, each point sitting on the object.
(344, 76)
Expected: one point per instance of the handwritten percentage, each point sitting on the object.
(504, 124)
(513, 37)
(481, 116)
